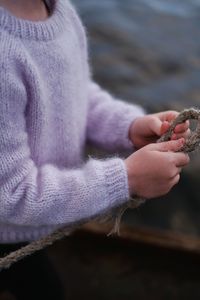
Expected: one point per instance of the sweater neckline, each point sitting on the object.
(36, 30)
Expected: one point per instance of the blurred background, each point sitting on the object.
(148, 52)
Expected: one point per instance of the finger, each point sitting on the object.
(180, 128)
(181, 159)
(185, 135)
(178, 171)
(155, 126)
(164, 127)
(175, 179)
(174, 172)
(171, 115)
(173, 145)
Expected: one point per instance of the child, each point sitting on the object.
(50, 108)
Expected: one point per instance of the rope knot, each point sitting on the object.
(192, 143)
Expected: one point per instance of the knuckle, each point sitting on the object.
(172, 114)
(166, 146)
(171, 160)
(188, 131)
(186, 159)
(177, 178)
(171, 173)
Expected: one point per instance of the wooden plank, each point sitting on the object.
(155, 237)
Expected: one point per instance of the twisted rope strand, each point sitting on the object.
(192, 143)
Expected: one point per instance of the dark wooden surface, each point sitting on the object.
(141, 264)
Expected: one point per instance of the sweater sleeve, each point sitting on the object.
(48, 195)
(109, 120)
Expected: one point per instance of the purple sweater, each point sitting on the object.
(49, 109)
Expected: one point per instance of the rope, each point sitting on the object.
(192, 143)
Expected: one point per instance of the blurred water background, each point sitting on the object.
(148, 52)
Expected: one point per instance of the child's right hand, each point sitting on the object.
(155, 169)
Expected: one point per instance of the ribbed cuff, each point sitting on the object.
(115, 181)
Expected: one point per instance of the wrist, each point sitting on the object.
(128, 170)
(133, 136)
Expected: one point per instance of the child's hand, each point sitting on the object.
(155, 169)
(147, 129)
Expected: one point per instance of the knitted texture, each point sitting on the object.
(50, 108)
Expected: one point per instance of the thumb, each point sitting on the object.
(164, 127)
(173, 145)
(156, 126)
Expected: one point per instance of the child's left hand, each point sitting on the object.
(147, 129)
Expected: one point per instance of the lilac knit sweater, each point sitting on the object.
(49, 109)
